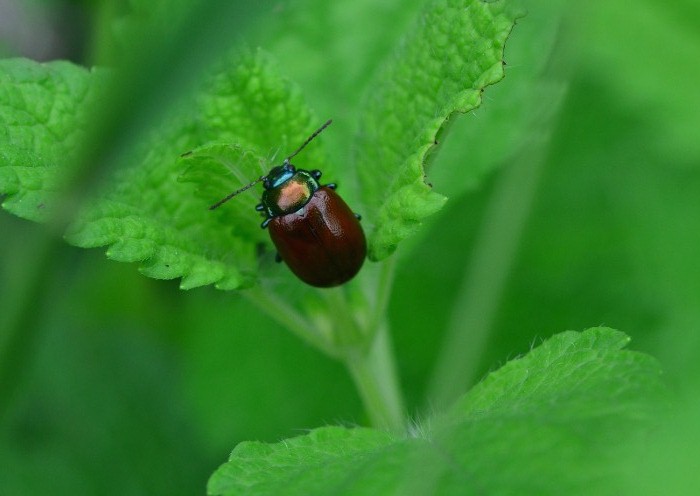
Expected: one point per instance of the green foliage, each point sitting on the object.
(43, 114)
(97, 362)
(527, 418)
(441, 68)
(146, 216)
(154, 218)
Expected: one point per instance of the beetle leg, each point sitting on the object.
(358, 216)
(331, 185)
(265, 222)
(259, 207)
(278, 258)
(316, 174)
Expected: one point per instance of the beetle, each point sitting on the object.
(315, 232)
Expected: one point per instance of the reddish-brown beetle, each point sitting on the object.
(315, 232)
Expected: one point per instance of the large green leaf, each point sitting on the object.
(147, 214)
(546, 423)
(159, 217)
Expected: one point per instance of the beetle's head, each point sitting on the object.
(279, 175)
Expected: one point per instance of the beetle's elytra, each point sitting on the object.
(315, 232)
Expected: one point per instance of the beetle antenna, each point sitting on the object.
(308, 140)
(241, 190)
(286, 160)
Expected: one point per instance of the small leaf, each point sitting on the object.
(547, 423)
(441, 68)
(43, 109)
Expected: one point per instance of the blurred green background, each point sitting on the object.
(112, 383)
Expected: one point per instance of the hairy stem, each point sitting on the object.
(363, 345)
(373, 368)
(374, 374)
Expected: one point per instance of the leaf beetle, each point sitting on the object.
(315, 232)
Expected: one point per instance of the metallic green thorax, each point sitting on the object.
(287, 191)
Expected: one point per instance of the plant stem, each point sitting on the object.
(373, 368)
(346, 331)
(364, 348)
(384, 286)
(374, 374)
(289, 317)
(484, 281)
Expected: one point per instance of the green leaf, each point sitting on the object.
(317, 463)
(246, 104)
(217, 168)
(148, 213)
(574, 370)
(43, 109)
(546, 423)
(454, 52)
(518, 110)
